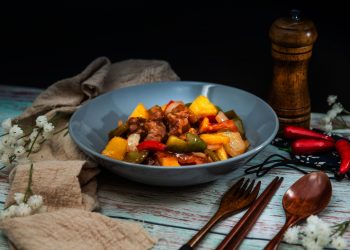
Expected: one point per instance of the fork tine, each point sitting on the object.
(232, 190)
(256, 189)
(241, 192)
(249, 189)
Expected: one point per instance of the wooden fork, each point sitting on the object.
(237, 198)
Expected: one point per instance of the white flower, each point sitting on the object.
(311, 231)
(337, 107)
(339, 243)
(35, 201)
(6, 125)
(16, 131)
(331, 99)
(328, 127)
(310, 244)
(12, 210)
(19, 197)
(291, 236)
(324, 234)
(5, 158)
(34, 134)
(332, 113)
(313, 219)
(326, 119)
(20, 142)
(48, 127)
(23, 210)
(7, 140)
(5, 214)
(20, 150)
(41, 121)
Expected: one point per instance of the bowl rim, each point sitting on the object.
(247, 154)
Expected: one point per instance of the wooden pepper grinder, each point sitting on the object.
(292, 40)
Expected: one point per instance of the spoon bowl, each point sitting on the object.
(307, 196)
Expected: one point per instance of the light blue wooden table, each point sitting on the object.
(174, 215)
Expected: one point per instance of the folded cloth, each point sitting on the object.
(75, 229)
(60, 183)
(62, 98)
(64, 176)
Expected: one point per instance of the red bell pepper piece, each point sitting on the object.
(151, 145)
(343, 148)
(305, 146)
(228, 124)
(170, 102)
(294, 132)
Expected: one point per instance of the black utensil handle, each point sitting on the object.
(186, 247)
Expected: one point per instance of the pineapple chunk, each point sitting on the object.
(215, 138)
(221, 153)
(140, 111)
(169, 161)
(116, 148)
(202, 107)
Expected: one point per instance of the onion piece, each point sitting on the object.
(220, 117)
(133, 141)
(171, 106)
(214, 146)
(199, 154)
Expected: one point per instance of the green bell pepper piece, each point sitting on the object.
(120, 130)
(231, 114)
(195, 143)
(136, 156)
(175, 144)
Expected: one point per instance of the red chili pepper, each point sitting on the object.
(343, 148)
(305, 146)
(151, 145)
(294, 132)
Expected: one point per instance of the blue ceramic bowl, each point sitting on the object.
(89, 127)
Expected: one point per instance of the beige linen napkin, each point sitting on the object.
(75, 229)
(63, 175)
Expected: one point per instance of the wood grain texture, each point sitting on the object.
(175, 214)
(292, 40)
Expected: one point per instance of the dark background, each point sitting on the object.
(218, 44)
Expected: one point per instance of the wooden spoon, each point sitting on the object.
(309, 195)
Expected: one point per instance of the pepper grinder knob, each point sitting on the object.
(292, 39)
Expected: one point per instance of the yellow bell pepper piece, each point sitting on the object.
(201, 106)
(204, 125)
(116, 148)
(140, 111)
(214, 138)
(169, 161)
(221, 153)
(236, 146)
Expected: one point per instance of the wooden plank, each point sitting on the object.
(177, 213)
(191, 207)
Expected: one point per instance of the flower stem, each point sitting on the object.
(59, 131)
(4, 134)
(346, 111)
(31, 146)
(341, 228)
(29, 191)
